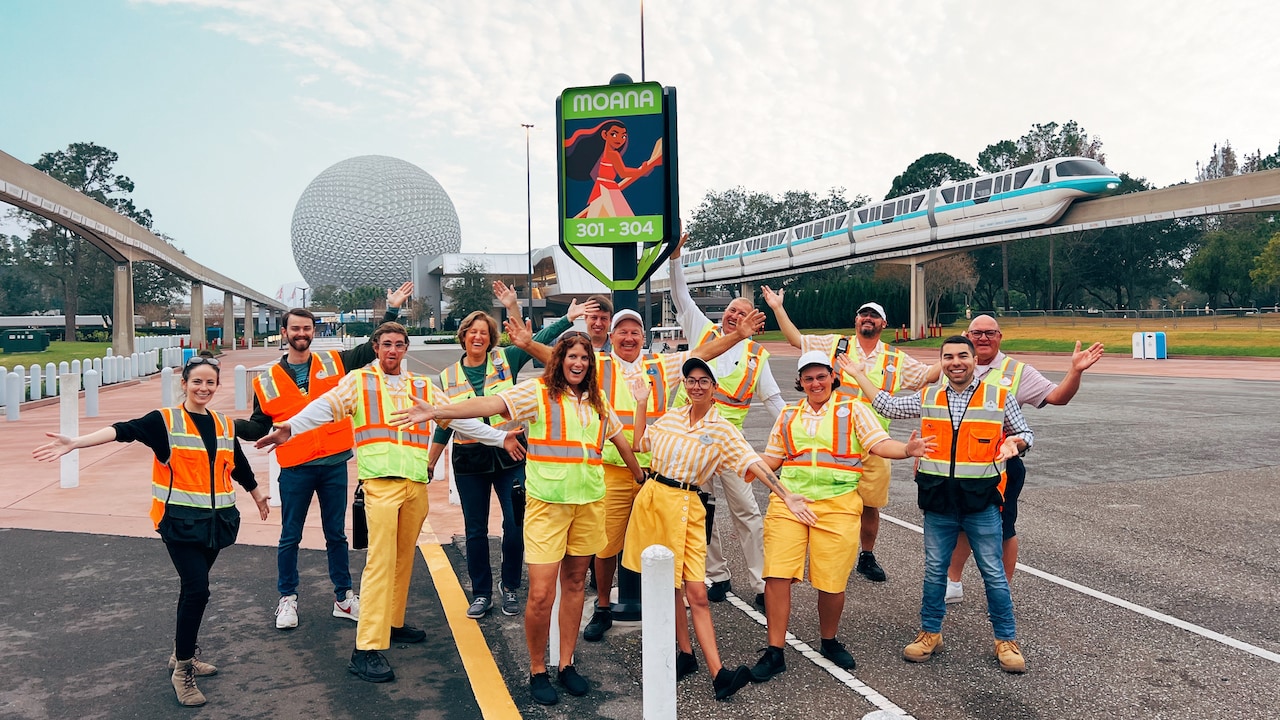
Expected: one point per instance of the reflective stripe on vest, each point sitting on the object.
(1009, 369)
(617, 393)
(564, 457)
(969, 451)
(884, 374)
(824, 465)
(185, 478)
(280, 397)
(453, 380)
(382, 449)
(735, 390)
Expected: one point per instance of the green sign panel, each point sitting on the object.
(617, 175)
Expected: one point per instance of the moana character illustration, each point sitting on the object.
(595, 155)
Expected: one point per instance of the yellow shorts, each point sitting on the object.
(672, 517)
(873, 487)
(832, 544)
(553, 530)
(620, 490)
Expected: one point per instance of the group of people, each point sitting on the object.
(608, 451)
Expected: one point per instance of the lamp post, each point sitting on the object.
(528, 199)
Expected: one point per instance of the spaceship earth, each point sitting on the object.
(362, 220)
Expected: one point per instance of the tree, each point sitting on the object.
(1256, 162)
(998, 156)
(64, 257)
(737, 213)
(1222, 163)
(1222, 266)
(469, 291)
(326, 296)
(1266, 268)
(944, 276)
(361, 297)
(1041, 142)
(930, 171)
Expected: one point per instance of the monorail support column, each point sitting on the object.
(748, 290)
(228, 321)
(198, 338)
(919, 306)
(122, 310)
(248, 323)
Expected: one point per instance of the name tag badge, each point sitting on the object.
(751, 363)
(652, 370)
(419, 384)
(842, 412)
(498, 360)
(889, 368)
(705, 440)
(990, 406)
(322, 375)
(1006, 381)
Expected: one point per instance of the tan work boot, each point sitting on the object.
(1010, 656)
(925, 644)
(202, 668)
(184, 683)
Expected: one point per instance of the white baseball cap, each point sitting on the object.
(874, 306)
(625, 314)
(814, 357)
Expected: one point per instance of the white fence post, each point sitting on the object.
(273, 472)
(657, 566)
(69, 417)
(4, 382)
(242, 387)
(92, 380)
(37, 386)
(51, 378)
(166, 388)
(13, 395)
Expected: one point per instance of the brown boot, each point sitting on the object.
(1010, 656)
(184, 683)
(203, 669)
(923, 647)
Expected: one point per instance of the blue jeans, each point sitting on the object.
(985, 536)
(329, 484)
(473, 491)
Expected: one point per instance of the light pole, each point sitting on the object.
(528, 199)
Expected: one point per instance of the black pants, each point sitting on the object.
(192, 561)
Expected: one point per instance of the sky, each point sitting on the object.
(222, 111)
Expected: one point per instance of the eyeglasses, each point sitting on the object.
(983, 333)
(202, 360)
(704, 383)
(869, 313)
(393, 346)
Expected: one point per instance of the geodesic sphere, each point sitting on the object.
(362, 221)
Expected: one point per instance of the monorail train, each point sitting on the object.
(1025, 196)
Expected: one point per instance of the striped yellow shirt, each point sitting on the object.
(694, 453)
(865, 424)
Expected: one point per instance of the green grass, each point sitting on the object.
(57, 352)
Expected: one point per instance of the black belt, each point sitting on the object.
(663, 479)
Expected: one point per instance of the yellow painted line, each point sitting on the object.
(487, 683)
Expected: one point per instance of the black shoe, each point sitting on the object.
(869, 568)
(370, 665)
(717, 591)
(541, 690)
(601, 620)
(686, 664)
(835, 652)
(770, 663)
(727, 682)
(760, 601)
(407, 634)
(571, 681)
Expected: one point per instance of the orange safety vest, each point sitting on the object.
(382, 449)
(970, 451)
(453, 380)
(828, 463)
(735, 390)
(564, 459)
(662, 395)
(185, 479)
(280, 397)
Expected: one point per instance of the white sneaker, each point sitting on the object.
(955, 591)
(349, 608)
(287, 613)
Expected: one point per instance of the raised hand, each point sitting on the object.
(401, 295)
(279, 435)
(421, 412)
(519, 330)
(750, 324)
(1082, 360)
(639, 389)
(505, 295)
(684, 238)
(918, 446)
(577, 311)
(772, 298)
(50, 451)
(846, 364)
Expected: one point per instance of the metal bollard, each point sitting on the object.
(69, 422)
(657, 568)
(92, 380)
(13, 392)
(242, 387)
(37, 385)
(51, 379)
(166, 388)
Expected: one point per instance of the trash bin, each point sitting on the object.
(187, 354)
(25, 340)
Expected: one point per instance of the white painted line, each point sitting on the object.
(1119, 602)
(870, 694)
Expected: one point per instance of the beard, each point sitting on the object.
(868, 332)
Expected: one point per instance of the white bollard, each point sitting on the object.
(92, 380)
(135, 367)
(4, 375)
(21, 395)
(64, 367)
(13, 391)
(657, 568)
(166, 388)
(37, 385)
(553, 636)
(69, 417)
(242, 387)
(108, 353)
(126, 369)
(273, 472)
(75, 366)
(107, 363)
(51, 379)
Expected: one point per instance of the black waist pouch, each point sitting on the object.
(359, 523)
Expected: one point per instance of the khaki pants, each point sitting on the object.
(395, 510)
(739, 504)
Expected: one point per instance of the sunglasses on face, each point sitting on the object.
(869, 313)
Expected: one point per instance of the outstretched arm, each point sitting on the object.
(521, 334)
(774, 301)
(915, 446)
(797, 504)
(1081, 360)
(61, 444)
(507, 296)
(691, 319)
(750, 324)
(476, 407)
